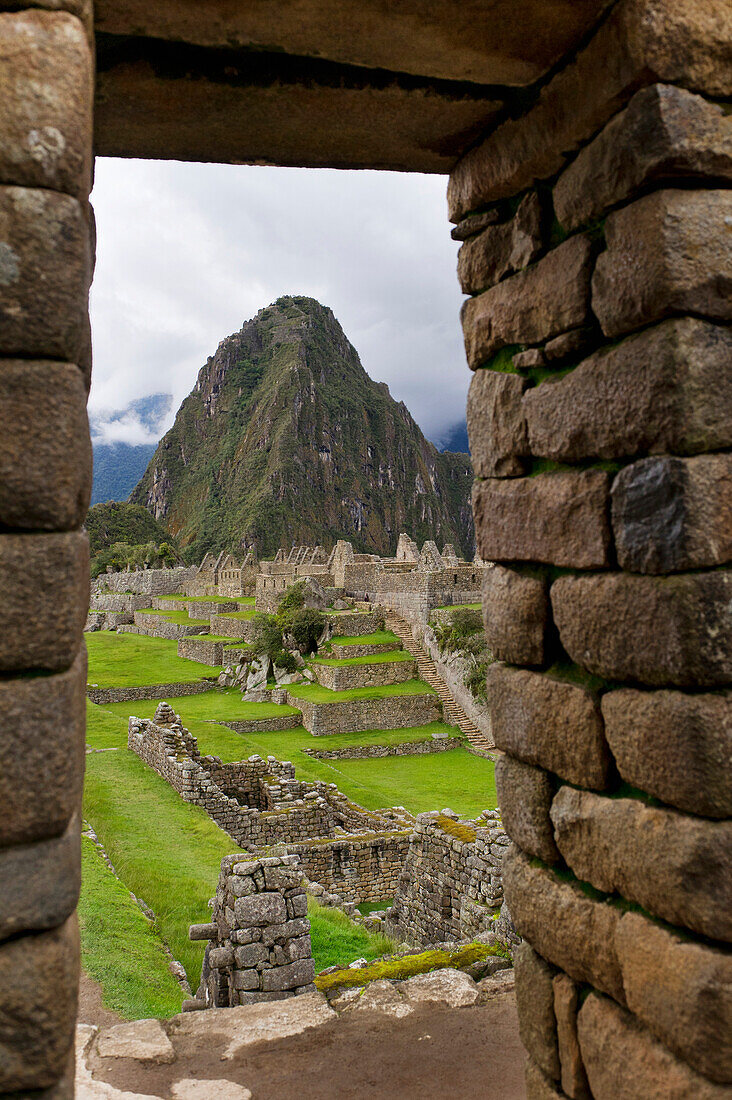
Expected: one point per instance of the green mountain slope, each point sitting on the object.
(118, 521)
(285, 438)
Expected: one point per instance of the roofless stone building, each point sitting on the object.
(589, 159)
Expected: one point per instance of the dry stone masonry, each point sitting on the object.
(356, 852)
(451, 888)
(259, 938)
(590, 159)
(597, 257)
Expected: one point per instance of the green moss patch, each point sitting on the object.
(458, 829)
(407, 966)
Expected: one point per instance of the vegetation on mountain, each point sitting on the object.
(285, 438)
(126, 536)
(117, 469)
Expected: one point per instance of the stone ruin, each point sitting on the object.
(258, 945)
(594, 211)
(451, 886)
(259, 803)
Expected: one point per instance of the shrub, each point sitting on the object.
(266, 638)
(461, 625)
(305, 625)
(285, 661)
(474, 680)
(293, 599)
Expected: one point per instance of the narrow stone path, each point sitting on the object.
(454, 713)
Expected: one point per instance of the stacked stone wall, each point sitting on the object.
(262, 725)
(451, 886)
(104, 696)
(379, 674)
(155, 626)
(207, 653)
(243, 629)
(600, 420)
(375, 752)
(173, 753)
(259, 940)
(144, 582)
(106, 620)
(46, 262)
(391, 712)
(358, 868)
(119, 602)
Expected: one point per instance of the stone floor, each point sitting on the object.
(438, 1037)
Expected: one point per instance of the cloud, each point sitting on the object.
(188, 252)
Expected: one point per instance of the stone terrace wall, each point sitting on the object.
(146, 582)
(259, 940)
(359, 868)
(600, 422)
(373, 752)
(393, 712)
(345, 677)
(113, 601)
(262, 725)
(232, 628)
(353, 623)
(450, 887)
(156, 627)
(104, 696)
(207, 653)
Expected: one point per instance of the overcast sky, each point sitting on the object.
(187, 252)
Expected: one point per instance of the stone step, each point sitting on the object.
(453, 712)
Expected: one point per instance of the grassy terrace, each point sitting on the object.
(180, 618)
(373, 659)
(248, 613)
(132, 660)
(456, 778)
(212, 706)
(379, 637)
(314, 693)
(120, 948)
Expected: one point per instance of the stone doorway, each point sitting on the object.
(588, 148)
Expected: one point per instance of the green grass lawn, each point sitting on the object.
(314, 693)
(247, 614)
(338, 938)
(180, 618)
(380, 637)
(120, 947)
(211, 706)
(458, 779)
(452, 606)
(373, 659)
(130, 660)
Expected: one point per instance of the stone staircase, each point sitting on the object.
(454, 713)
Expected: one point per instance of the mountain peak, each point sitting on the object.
(285, 436)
